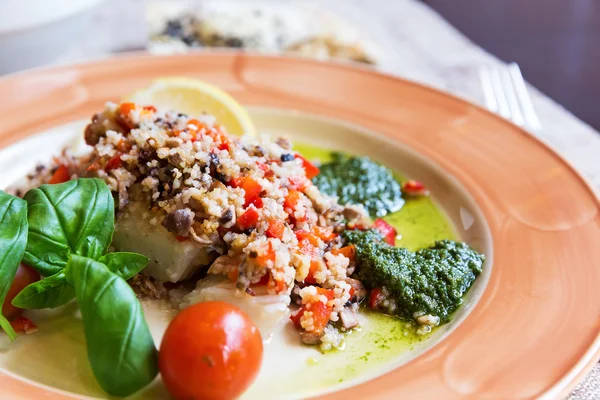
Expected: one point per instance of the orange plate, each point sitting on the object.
(535, 329)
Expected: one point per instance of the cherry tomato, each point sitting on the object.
(24, 276)
(211, 350)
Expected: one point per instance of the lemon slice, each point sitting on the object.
(195, 97)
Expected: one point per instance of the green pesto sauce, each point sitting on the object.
(419, 223)
(359, 180)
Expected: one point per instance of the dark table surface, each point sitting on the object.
(556, 43)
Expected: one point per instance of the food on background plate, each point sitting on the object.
(185, 211)
(272, 27)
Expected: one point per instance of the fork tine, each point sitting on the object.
(522, 93)
(511, 97)
(503, 108)
(488, 90)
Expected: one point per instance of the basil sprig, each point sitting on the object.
(119, 345)
(75, 217)
(13, 238)
(70, 230)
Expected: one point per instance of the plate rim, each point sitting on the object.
(584, 363)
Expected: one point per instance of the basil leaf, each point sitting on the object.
(50, 292)
(13, 239)
(75, 217)
(124, 264)
(120, 348)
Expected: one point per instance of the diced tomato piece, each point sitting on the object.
(60, 175)
(125, 108)
(23, 325)
(347, 251)
(248, 219)
(113, 163)
(352, 291)
(414, 188)
(388, 231)
(150, 108)
(251, 188)
(326, 235)
(276, 229)
(304, 235)
(298, 182)
(181, 238)
(376, 298)
(309, 168)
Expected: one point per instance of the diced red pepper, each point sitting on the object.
(311, 238)
(60, 175)
(295, 317)
(307, 248)
(248, 219)
(347, 251)
(376, 298)
(181, 238)
(125, 108)
(150, 108)
(388, 231)
(233, 275)
(199, 125)
(113, 163)
(309, 168)
(224, 146)
(266, 256)
(326, 235)
(292, 199)
(320, 316)
(276, 229)
(298, 182)
(315, 265)
(326, 292)
(263, 281)
(414, 188)
(258, 203)
(23, 325)
(123, 146)
(251, 188)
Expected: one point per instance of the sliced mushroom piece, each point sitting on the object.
(348, 317)
(228, 218)
(179, 221)
(359, 290)
(199, 239)
(310, 337)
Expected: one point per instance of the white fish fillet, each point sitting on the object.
(267, 311)
(170, 260)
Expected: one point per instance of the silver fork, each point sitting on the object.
(505, 93)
